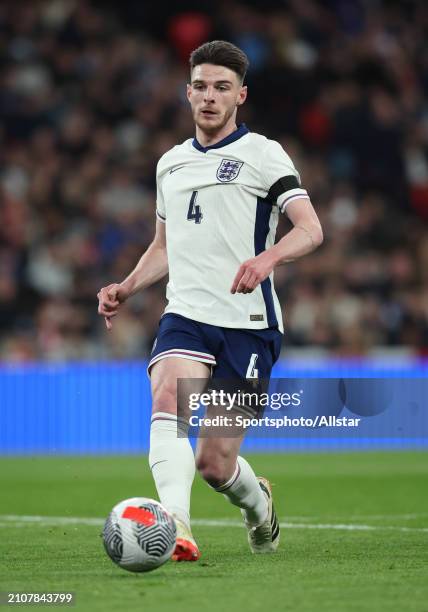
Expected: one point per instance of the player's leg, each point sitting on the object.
(179, 352)
(244, 354)
(171, 456)
(219, 463)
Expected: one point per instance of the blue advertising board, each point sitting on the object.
(104, 408)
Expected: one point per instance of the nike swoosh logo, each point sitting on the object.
(175, 169)
(157, 462)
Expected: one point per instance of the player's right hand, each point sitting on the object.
(109, 300)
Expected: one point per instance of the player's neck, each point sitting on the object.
(207, 139)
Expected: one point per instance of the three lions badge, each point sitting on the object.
(228, 170)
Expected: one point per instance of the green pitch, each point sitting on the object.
(355, 536)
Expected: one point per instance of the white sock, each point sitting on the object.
(243, 490)
(172, 464)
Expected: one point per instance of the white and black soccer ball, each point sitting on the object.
(139, 534)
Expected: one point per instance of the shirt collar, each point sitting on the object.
(238, 133)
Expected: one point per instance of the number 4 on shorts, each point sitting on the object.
(251, 370)
(194, 212)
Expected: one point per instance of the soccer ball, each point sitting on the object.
(139, 534)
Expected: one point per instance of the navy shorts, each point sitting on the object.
(231, 353)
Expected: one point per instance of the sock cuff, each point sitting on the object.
(164, 416)
(165, 421)
(231, 480)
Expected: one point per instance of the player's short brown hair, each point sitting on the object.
(221, 53)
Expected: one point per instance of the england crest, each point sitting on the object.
(228, 170)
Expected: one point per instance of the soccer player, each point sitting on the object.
(218, 199)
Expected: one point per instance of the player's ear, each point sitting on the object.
(242, 95)
(188, 91)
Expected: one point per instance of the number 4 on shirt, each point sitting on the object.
(194, 212)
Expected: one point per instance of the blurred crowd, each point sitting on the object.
(92, 94)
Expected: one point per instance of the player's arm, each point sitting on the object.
(305, 236)
(152, 266)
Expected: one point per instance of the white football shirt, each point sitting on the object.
(220, 205)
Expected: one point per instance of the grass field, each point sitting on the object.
(354, 536)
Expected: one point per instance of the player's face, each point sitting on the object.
(214, 95)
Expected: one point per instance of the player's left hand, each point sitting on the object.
(253, 272)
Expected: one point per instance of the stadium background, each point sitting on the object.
(92, 93)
